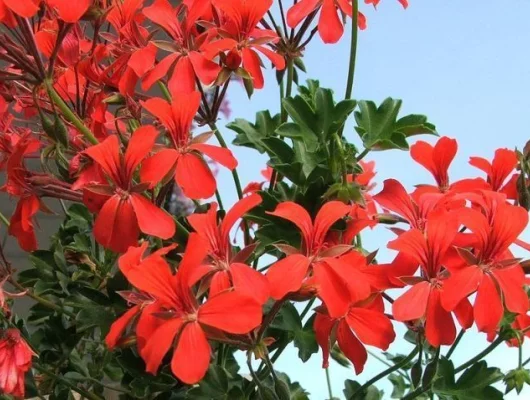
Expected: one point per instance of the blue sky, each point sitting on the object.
(464, 64)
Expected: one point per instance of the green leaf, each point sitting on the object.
(296, 132)
(370, 393)
(474, 384)
(305, 340)
(287, 319)
(215, 383)
(399, 384)
(253, 135)
(93, 317)
(380, 128)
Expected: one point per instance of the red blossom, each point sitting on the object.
(15, 361)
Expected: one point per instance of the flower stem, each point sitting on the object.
(328, 381)
(384, 373)
(453, 347)
(82, 392)
(67, 113)
(482, 354)
(4, 219)
(353, 49)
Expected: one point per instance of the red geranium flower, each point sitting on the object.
(122, 210)
(192, 173)
(176, 313)
(225, 268)
(499, 170)
(363, 323)
(243, 39)
(490, 268)
(423, 299)
(15, 361)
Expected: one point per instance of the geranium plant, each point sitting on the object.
(153, 288)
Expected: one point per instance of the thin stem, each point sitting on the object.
(328, 381)
(307, 308)
(353, 49)
(165, 91)
(453, 347)
(69, 114)
(384, 373)
(482, 354)
(4, 219)
(82, 392)
(383, 361)
(219, 200)
(362, 154)
(520, 354)
(342, 159)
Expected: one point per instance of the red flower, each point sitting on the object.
(242, 39)
(187, 58)
(329, 24)
(122, 210)
(363, 323)
(499, 170)
(24, 8)
(176, 314)
(225, 268)
(490, 269)
(423, 299)
(437, 159)
(316, 258)
(15, 361)
(192, 173)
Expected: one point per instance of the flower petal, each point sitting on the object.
(151, 219)
(286, 276)
(192, 355)
(193, 175)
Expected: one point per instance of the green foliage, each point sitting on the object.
(351, 391)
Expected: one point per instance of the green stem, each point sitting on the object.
(453, 347)
(383, 361)
(165, 91)
(482, 354)
(384, 373)
(82, 392)
(69, 114)
(219, 200)
(307, 308)
(362, 154)
(520, 354)
(353, 49)
(328, 381)
(185, 231)
(4, 219)
(342, 159)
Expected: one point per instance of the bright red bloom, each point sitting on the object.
(499, 170)
(15, 361)
(24, 8)
(521, 323)
(176, 313)
(243, 39)
(225, 268)
(316, 259)
(330, 26)
(490, 268)
(437, 160)
(187, 58)
(423, 299)
(122, 210)
(192, 173)
(362, 323)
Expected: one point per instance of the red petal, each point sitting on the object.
(323, 326)
(395, 198)
(219, 283)
(300, 10)
(436, 159)
(194, 177)
(159, 343)
(196, 251)
(276, 59)
(140, 145)
(252, 64)
(162, 13)
(330, 213)
(70, 11)
(351, 347)
(297, 215)
(119, 326)
(287, 275)
(151, 219)
(159, 71)
(511, 281)
(24, 8)
(143, 60)
(221, 155)
(157, 167)
(231, 312)
(239, 209)
(488, 306)
(413, 244)
(183, 78)
(21, 224)
(250, 282)
(332, 289)
(162, 110)
(440, 327)
(460, 285)
(413, 303)
(205, 69)
(503, 164)
(107, 155)
(184, 107)
(329, 25)
(371, 327)
(192, 355)
(464, 313)
(116, 226)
